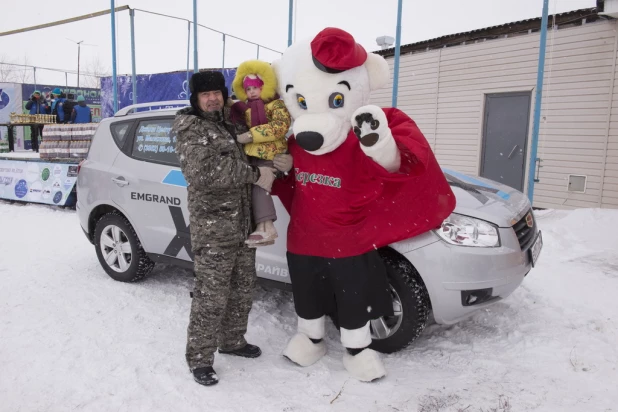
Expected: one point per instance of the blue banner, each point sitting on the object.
(150, 88)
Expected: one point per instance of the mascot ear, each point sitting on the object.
(276, 65)
(378, 70)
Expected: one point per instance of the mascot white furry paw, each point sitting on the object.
(363, 178)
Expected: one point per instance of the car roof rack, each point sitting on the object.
(131, 109)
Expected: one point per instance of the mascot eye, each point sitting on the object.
(335, 101)
(301, 101)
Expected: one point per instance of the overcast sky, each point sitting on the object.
(161, 43)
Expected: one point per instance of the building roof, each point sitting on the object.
(571, 18)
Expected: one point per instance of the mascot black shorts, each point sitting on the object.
(356, 288)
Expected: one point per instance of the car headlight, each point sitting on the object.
(467, 231)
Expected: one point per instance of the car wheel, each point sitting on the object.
(119, 249)
(411, 306)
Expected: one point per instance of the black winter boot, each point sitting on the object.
(205, 376)
(355, 351)
(247, 351)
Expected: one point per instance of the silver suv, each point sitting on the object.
(132, 206)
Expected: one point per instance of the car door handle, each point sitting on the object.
(120, 181)
(513, 151)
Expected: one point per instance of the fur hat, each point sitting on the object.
(260, 69)
(207, 81)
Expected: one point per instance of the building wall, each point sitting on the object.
(444, 92)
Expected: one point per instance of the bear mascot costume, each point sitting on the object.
(363, 178)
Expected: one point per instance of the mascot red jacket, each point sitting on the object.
(363, 177)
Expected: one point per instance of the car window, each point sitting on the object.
(155, 142)
(120, 131)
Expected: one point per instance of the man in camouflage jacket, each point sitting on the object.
(219, 198)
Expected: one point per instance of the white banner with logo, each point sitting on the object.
(10, 102)
(38, 182)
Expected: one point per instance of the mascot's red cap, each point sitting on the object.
(335, 51)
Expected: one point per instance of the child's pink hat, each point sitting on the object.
(252, 80)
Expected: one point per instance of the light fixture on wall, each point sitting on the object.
(385, 42)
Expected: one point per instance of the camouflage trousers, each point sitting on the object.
(222, 299)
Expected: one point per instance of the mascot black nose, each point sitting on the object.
(310, 141)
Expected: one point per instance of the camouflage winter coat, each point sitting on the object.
(218, 176)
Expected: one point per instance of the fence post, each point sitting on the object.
(537, 103)
(114, 75)
(133, 75)
(223, 60)
(195, 65)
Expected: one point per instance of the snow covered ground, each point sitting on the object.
(24, 155)
(72, 339)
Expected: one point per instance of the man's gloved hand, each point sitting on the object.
(283, 162)
(245, 138)
(267, 177)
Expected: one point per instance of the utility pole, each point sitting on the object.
(79, 44)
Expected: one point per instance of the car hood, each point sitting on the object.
(487, 200)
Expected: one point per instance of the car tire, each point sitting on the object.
(407, 289)
(410, 299)
(119, 250)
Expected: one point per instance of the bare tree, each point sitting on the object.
(11, 73)
(26, 74)
(95, 69)
(5, 69)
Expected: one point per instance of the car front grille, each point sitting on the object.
(524, 231)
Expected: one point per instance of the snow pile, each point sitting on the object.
(23, 155)
(73, 339)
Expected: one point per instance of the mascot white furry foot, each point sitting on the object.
(307, 347)
(356, 168)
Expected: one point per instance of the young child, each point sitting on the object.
(268, 120)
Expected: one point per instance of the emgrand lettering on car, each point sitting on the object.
(149, 197)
